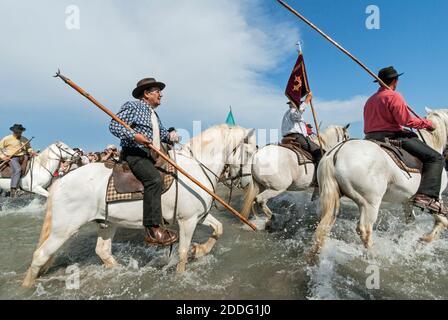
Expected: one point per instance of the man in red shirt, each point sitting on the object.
(385, 115)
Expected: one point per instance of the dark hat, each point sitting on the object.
(17, 127)
(388, 73)
(145, 84)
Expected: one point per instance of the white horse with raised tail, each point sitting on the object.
(275, 169)
(79, 198)
(363, 172)
(42, 167)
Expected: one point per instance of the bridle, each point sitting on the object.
(235, 180)
(221, 177)
(60, 158)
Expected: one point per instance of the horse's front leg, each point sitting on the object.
(200, 250)
(440, 224)
(186, 230)
(104, 245)
(40, 191)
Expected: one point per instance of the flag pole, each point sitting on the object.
(313, 111)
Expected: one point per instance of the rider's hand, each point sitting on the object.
(308, 98)
(430, 128)
(33, 154)
(140, 138)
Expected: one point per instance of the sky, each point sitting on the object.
(211, 55)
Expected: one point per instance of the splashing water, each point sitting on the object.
(243, 264)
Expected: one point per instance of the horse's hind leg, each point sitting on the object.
(200, 250)
(186, 230)
(41, 258)
(104, 245)
(369, 214)
(262, 200)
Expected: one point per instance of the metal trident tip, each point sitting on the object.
(58, 74)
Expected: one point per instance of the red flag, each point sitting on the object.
(298, 86)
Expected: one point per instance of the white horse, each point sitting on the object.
(42, 167)
(275, 170)
(79, 198)
(363, 172)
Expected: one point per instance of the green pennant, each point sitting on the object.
(230, 120)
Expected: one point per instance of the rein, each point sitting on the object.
(221, 177)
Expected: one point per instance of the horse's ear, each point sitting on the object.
(347, 126)
(428, 110)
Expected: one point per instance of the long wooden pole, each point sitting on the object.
(167, 159)
(317, 128)
(16, 152)
(287, 6)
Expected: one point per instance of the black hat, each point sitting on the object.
(17, 127)
(388, 73)
(145, 84)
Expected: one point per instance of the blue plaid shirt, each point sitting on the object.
(136, 114)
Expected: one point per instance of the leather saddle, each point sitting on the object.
(124, 182)
(303, 156)
(403, 159)
(6, 172)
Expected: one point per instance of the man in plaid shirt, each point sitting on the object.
(142, 117)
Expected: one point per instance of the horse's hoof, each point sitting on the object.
(111, 265)
(180, 269)
(312, 258)
(197, 252)
(28, 282)
(427, 239)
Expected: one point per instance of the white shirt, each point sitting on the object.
(293, 122)
(155, 130)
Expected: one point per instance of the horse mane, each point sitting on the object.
(44, 156)
(205, 139)
(330, 133)
(438, 138)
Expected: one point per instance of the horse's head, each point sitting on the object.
(239, 158)
(335, 134)
(438, 138)
(64, 152)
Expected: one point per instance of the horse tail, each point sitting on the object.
(329, 200)
(249, 196)
(46, 227)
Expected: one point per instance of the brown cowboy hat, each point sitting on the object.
(146, 84)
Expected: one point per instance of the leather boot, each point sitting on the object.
(161, 236)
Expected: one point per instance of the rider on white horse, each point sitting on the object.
(8, 146)
(385, 114)
(294, 126)
(141, 115)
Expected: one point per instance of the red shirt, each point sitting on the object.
(387, 110)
